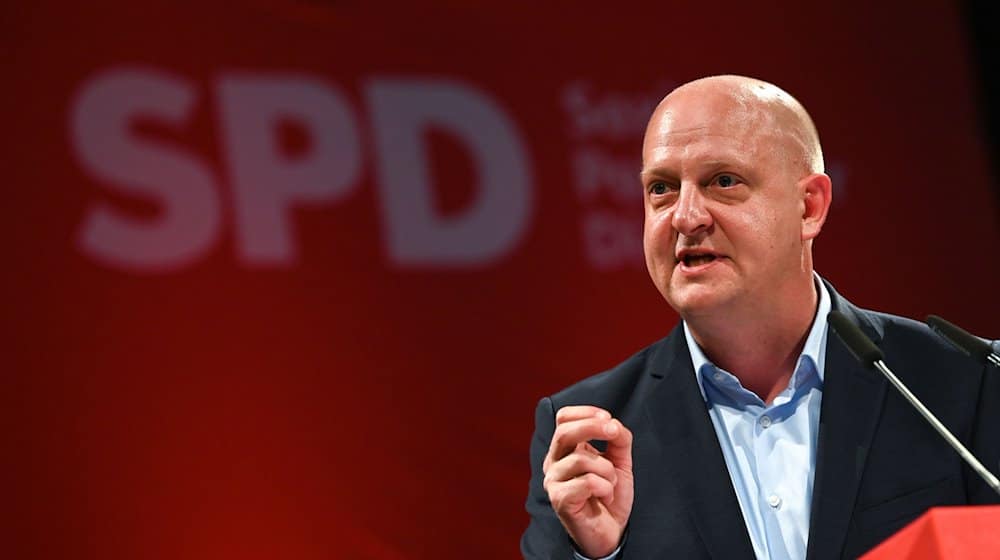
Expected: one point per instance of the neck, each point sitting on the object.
(760, 346)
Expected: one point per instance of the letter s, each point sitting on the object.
(189, 221)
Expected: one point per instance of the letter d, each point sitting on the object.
(496, 219)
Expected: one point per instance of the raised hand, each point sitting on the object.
(591, 492)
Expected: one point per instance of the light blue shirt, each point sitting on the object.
(770, 450)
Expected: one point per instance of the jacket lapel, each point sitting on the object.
(852, 403)
(680, 423)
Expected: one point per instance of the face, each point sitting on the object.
(723, 206)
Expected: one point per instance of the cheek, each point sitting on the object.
(762, 229)
(653, 235)
(656, 229)
(774, 231)
(657, 243)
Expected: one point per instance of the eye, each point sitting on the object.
(660, 188)
(726, 180)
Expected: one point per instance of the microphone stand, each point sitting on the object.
(870, 355)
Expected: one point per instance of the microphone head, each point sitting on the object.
(857, 342)
(960, 338)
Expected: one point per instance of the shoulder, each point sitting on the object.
(891, 332)
(896, 330)
(903, 334)
(915, 352)
(614, 389)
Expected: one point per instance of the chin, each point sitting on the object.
(691, 301)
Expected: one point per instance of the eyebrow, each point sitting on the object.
(648, 173)
(660, 171)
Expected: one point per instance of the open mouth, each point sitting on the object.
(697, 259)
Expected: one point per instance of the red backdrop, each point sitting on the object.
(288, 279)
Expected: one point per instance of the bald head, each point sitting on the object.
(734, 195)
(752, 107)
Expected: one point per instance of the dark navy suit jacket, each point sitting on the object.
(878, 467)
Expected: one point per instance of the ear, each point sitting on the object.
(817, 194)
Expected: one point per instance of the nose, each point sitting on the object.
(691, 215)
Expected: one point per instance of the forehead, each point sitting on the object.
(710, 128)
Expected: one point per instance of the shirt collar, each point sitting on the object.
(813, 351)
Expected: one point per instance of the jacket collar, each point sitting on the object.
(852, 403)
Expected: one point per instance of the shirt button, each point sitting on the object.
(765, 421)
(774, 501)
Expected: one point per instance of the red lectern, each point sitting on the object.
(969, 533)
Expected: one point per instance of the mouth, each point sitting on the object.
(695, 258)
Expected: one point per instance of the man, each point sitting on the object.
(750, 431)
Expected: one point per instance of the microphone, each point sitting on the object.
(971, 345)
(870, 356)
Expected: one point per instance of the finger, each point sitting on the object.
(579, 412)
(568, 435)
(578, 464)
(586, 447)
(619, 450)
(571, 495)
